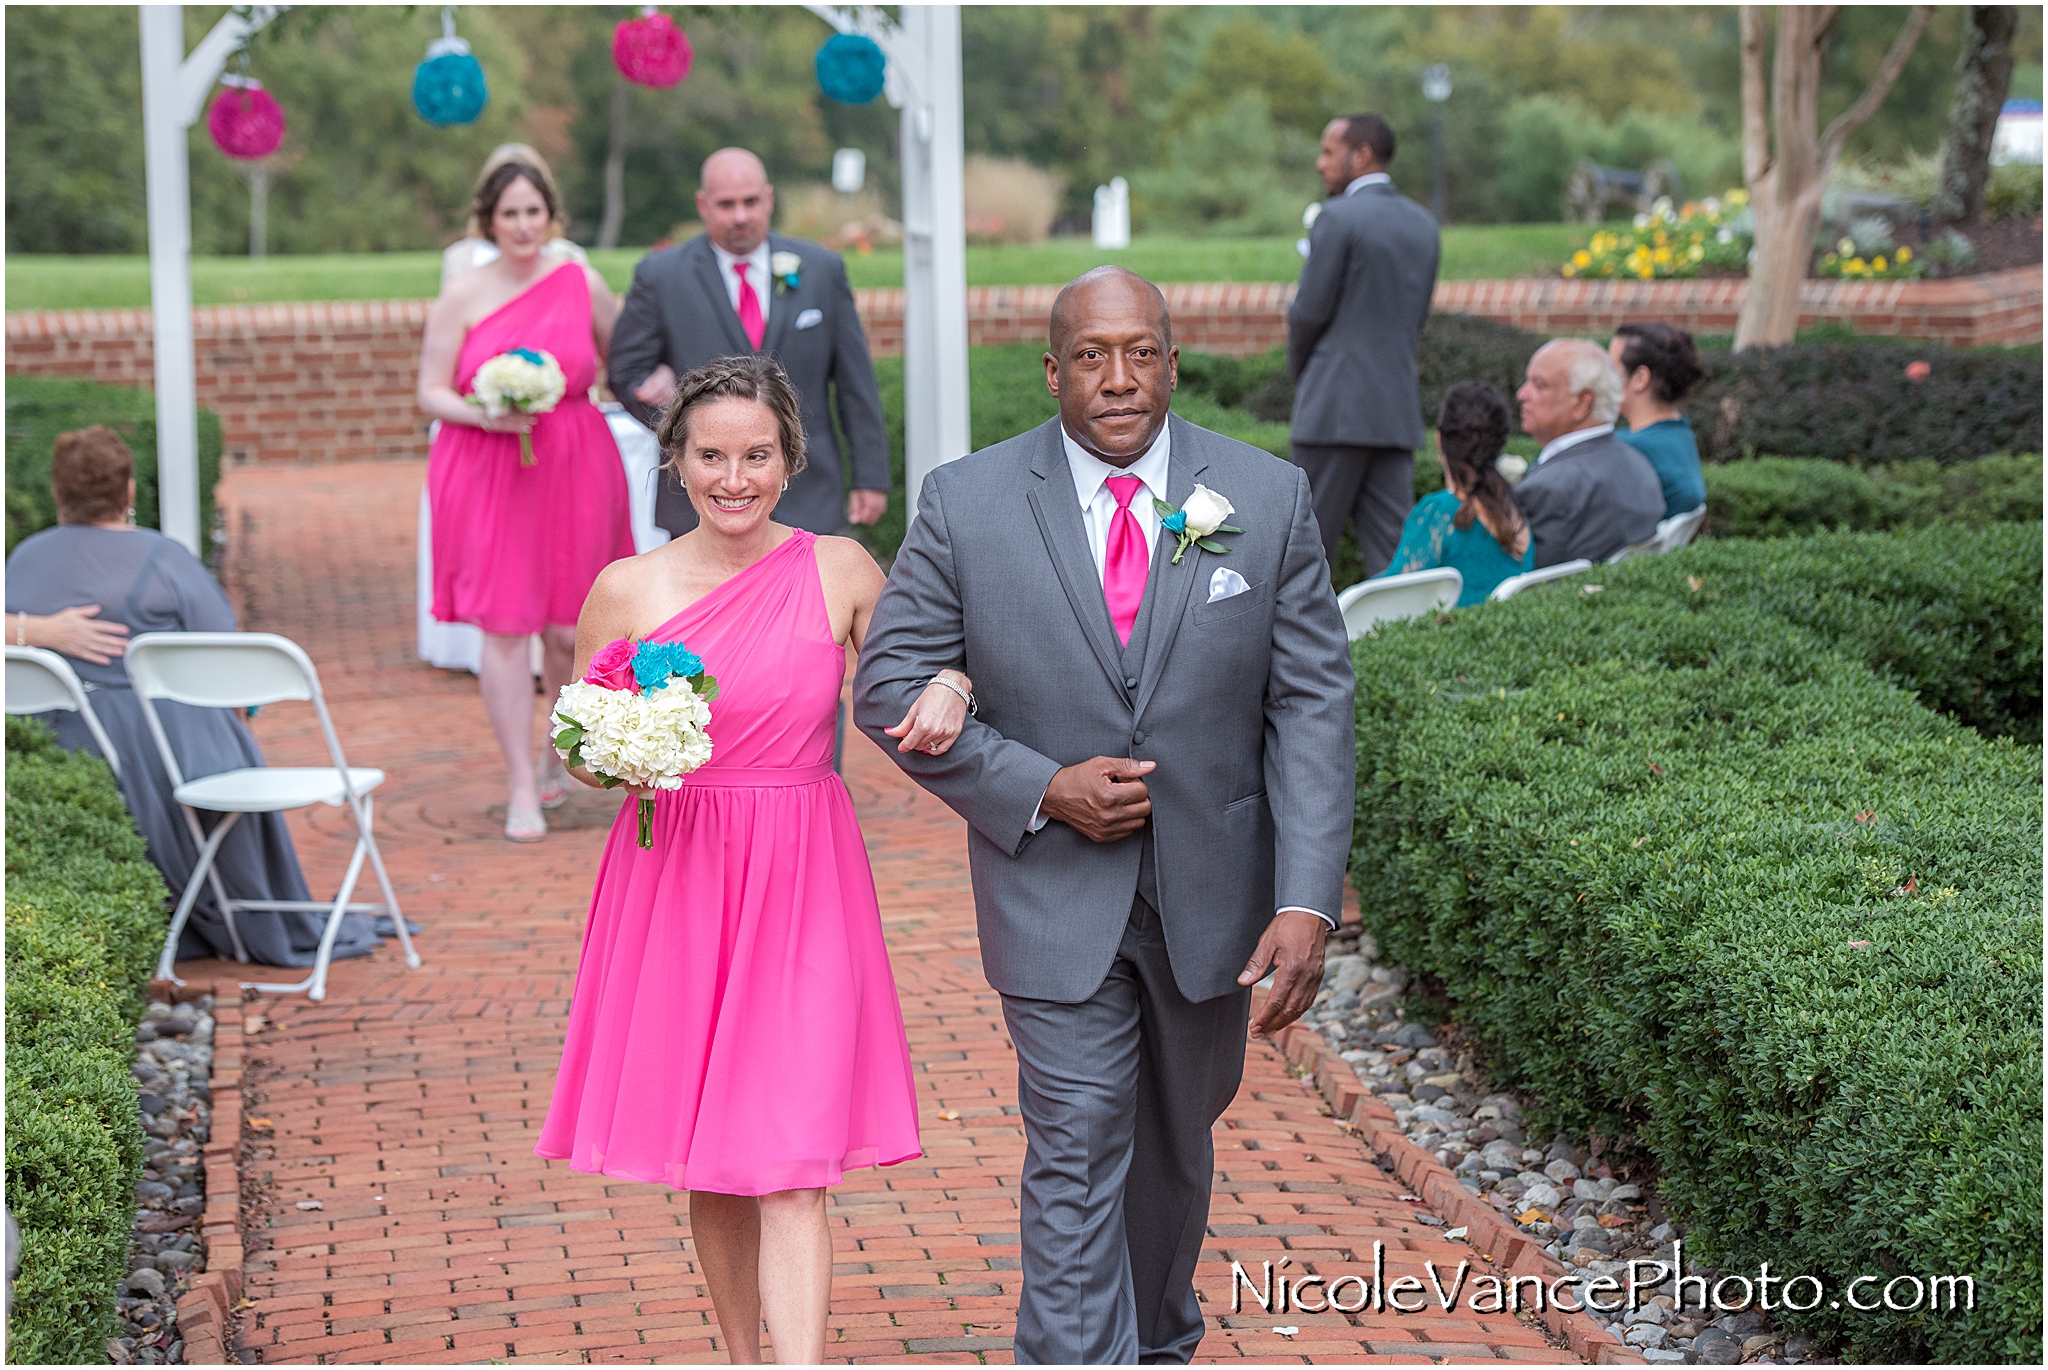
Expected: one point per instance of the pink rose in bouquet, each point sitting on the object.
(612, 667)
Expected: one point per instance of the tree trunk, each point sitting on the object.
(1786, 157)
(259, 209)
(1983, 75)
(615, 170)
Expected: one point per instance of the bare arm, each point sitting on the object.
(935, 717)
(438, 352)
(77, 632)
(604, 312)
(607, 616)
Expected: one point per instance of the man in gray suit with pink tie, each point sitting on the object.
(1157, 788)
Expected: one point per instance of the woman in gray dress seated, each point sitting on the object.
(80, 589)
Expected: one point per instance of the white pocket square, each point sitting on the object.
(810, 318)
(1226, 583)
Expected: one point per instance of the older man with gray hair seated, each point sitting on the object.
(1589, 494)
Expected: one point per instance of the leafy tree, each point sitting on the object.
(74, 129)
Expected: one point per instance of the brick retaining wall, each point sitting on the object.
(334, 381)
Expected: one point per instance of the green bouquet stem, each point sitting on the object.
(646, 824)
(526, 459)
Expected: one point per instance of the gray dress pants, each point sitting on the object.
(1118, 1095)
(1373, 487)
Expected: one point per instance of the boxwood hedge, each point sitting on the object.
(1777, 496)
(1700, 879)
(85, 918)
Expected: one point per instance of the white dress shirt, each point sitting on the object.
(1371, 178)
(1098, 509)
(1098, 502)
(1572, 439)
(757, 276)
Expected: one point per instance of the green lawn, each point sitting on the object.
(61, 282)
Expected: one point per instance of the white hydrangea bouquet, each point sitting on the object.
(638, 717)
(522, 379)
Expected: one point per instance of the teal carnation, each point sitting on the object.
(1175, 522)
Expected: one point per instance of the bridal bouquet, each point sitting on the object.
(638, 718)
(522, 379)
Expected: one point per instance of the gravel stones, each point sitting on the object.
(1715, 1347)
(173, 1054)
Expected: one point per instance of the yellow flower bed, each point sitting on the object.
(1670, 242)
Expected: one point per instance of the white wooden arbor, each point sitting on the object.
(174, 89)
(923, 81)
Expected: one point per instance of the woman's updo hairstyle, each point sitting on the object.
(89, 474)
(493, 186)
(1472, 427)
(1673, 361)
(751, 377)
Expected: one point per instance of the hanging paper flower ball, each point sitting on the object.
(651, 51)
(448, 88)
(245, 120)
(851, 68)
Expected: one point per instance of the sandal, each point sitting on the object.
(524, 825)
(554, 781)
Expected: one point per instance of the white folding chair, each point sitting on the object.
(40, 681)
(238, 671)
(1514, 585)
(1676, 531)
(1388, 599)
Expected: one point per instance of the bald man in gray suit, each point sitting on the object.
(1157, 788)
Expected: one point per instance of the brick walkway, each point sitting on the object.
(407, 1103)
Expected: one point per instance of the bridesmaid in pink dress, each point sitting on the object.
(516, 548)
(734, 1029)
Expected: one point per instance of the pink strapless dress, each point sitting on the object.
(735, 1025)
(517, 548)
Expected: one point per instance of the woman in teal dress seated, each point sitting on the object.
(1659, 368)
(1473, 524)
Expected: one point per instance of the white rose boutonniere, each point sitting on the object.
(1196, 522)
(787, 269)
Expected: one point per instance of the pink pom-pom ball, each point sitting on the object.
(651, 51)
(246, 122)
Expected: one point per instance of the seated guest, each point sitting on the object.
(80, 589)
(1473, 524)
(1589, 494)
(1659, 368)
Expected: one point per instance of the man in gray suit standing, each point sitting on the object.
(1589, 494)
(1157, 786)
(1351, 337)
(737, 288)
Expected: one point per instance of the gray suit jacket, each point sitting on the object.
(1245, 703)
(1356, 319)
(678, 312)
(1590, 500)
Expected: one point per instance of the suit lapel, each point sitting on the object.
(1066, 541)
(705, 267)
(781, 308)
(1170, 585)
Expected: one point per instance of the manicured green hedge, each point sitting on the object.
(1699, 879)
(85, 920)
(38, 409)
(1953, 614)
(1774, 496)
(1840, 401)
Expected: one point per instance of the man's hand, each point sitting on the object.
(866, 506)
(1293, 948)
(658, 388)
(1103, 798)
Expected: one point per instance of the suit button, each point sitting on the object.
(1138, 738)
(1131, 683)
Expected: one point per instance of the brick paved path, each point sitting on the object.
(407, 1103)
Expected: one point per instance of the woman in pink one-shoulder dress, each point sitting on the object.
(734, 1029)
(517, 547)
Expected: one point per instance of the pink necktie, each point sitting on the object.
(1124, 560)
(750, 308)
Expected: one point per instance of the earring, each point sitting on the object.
(131, 518)
(785, 483)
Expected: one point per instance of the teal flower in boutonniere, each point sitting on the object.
(787, 269)
(1194, 522)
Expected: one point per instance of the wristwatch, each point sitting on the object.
(973, 704)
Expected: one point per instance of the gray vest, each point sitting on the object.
(1133, 661)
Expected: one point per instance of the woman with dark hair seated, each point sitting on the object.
(1659, 368)
(1473, 524)
(80, 589)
